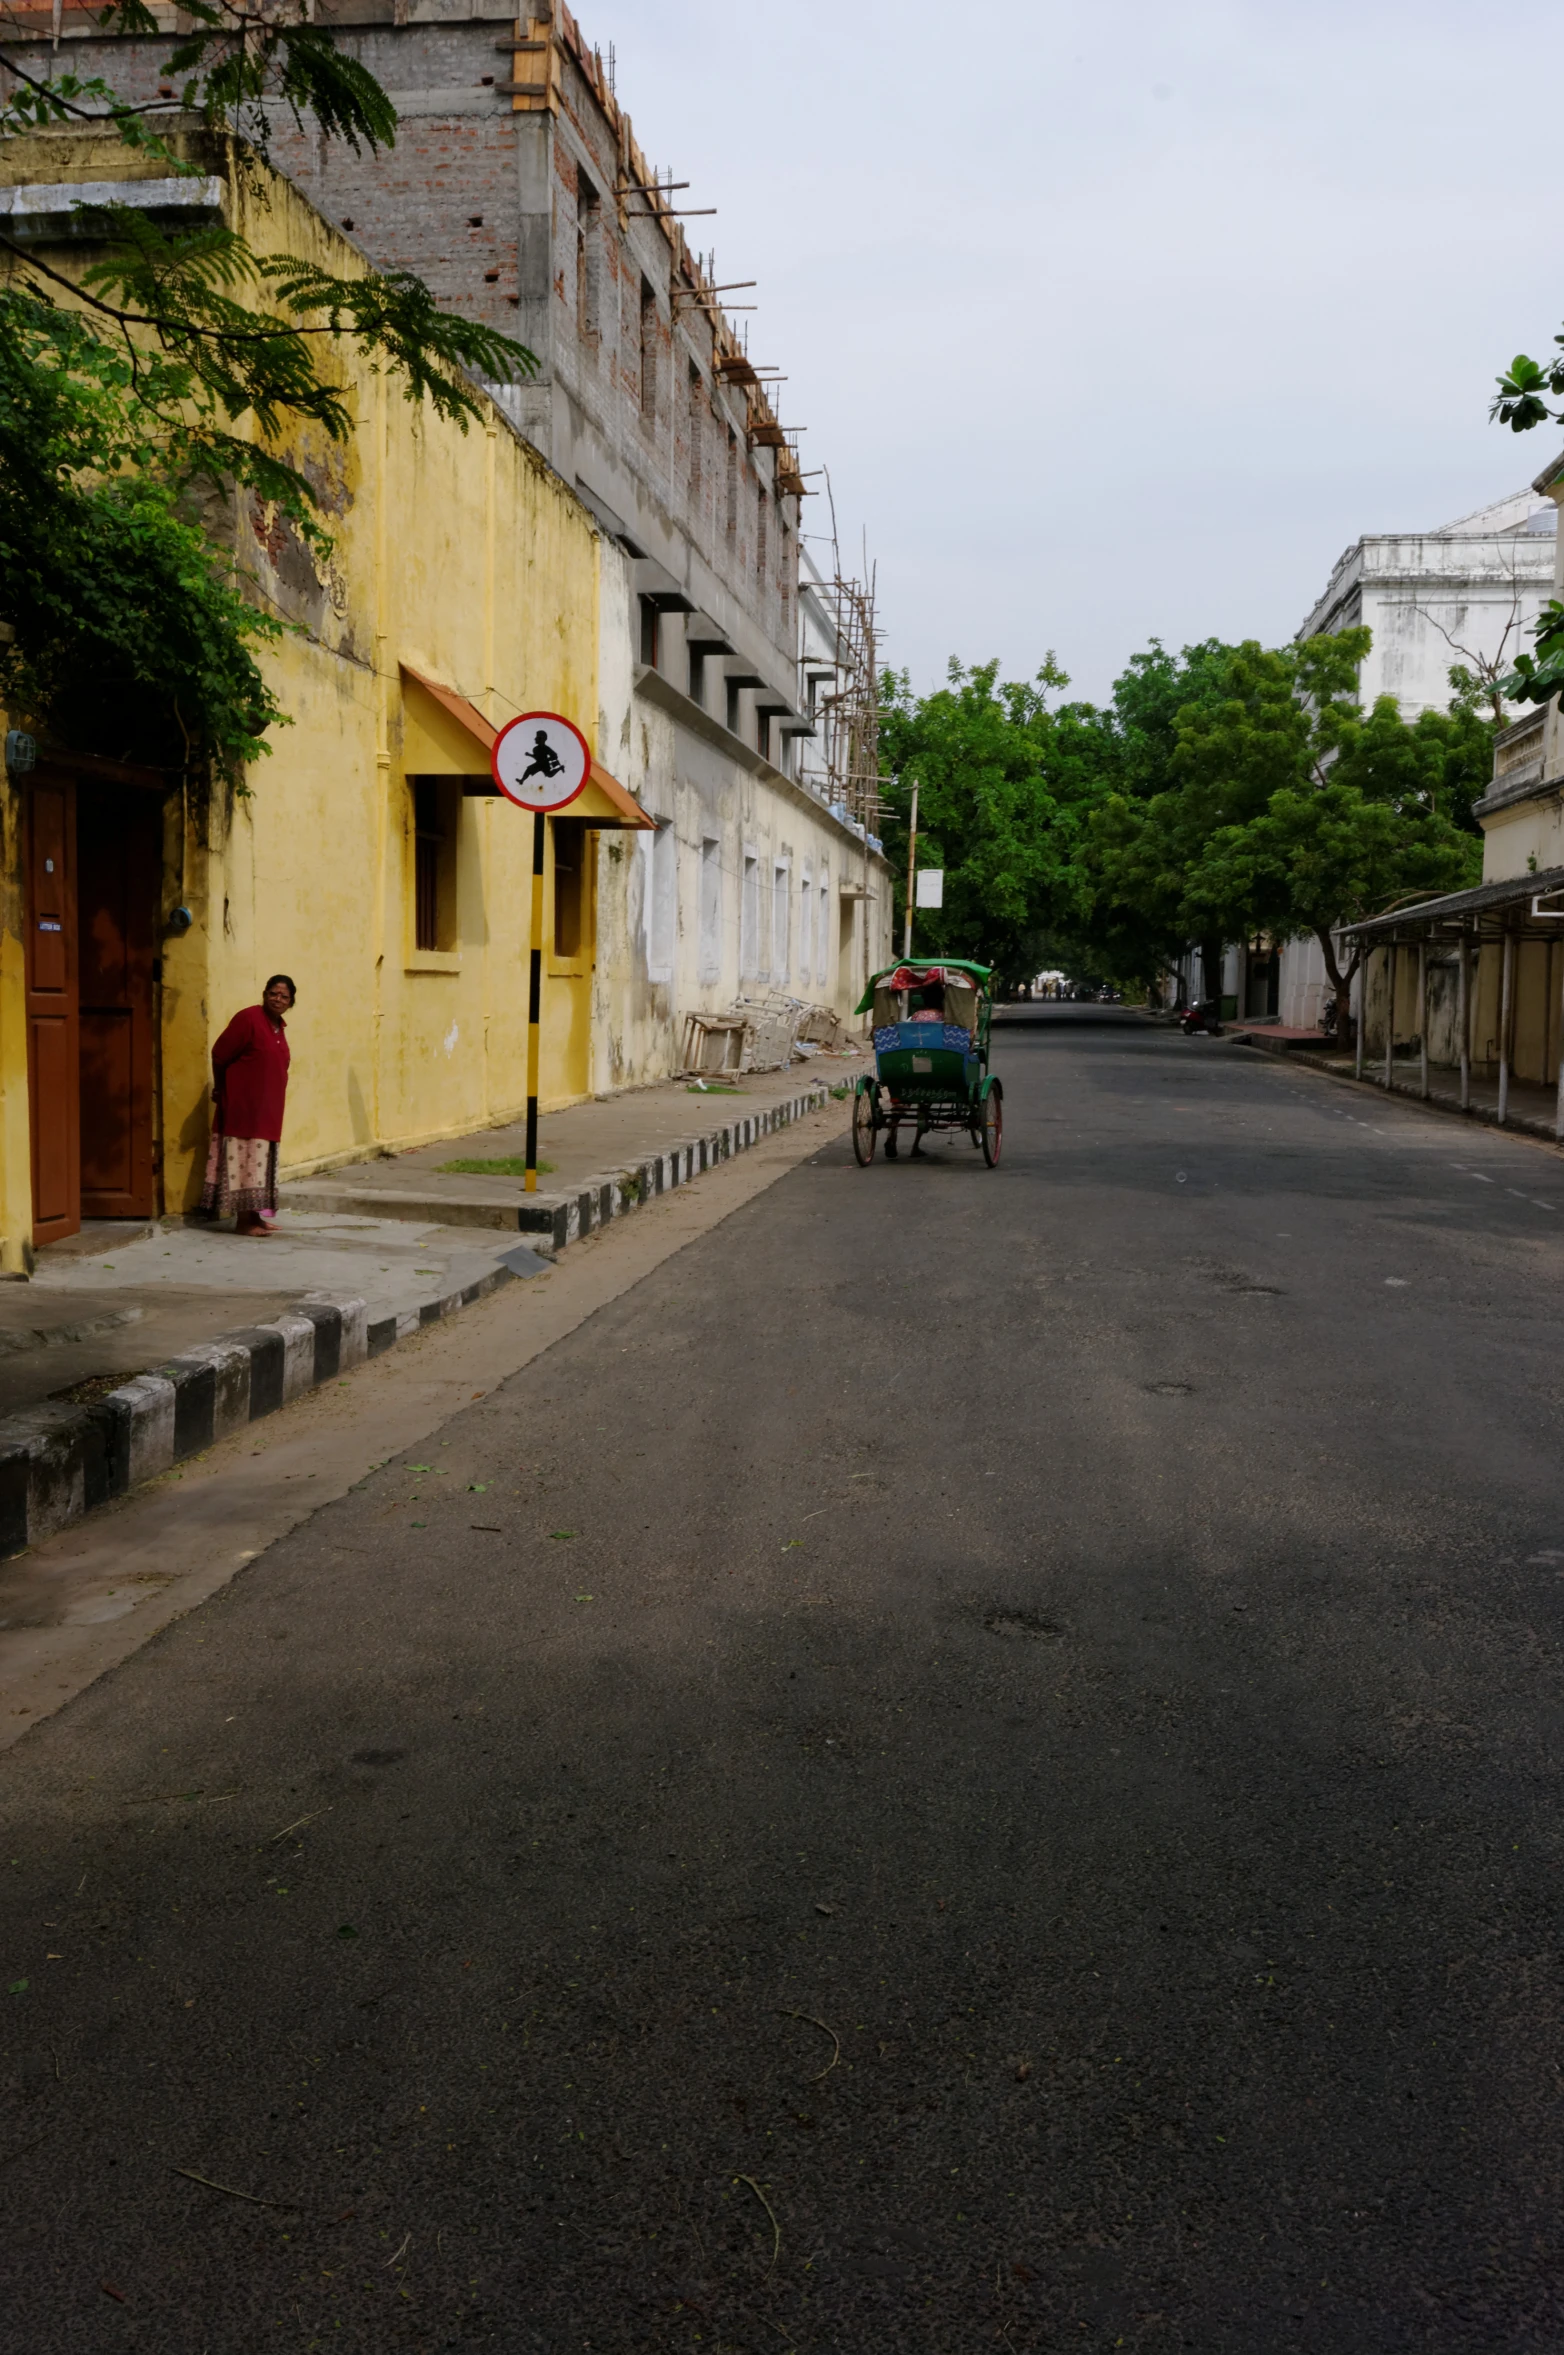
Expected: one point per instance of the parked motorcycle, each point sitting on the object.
(1202, 1020)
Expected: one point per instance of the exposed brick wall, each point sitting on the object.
(523, 173)
(414, 209)
(484, 204)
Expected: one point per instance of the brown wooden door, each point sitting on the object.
(52, 1005)
(118, 858)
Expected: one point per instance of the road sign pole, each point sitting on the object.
(541, 762)
(534, 1001)
(912, 871)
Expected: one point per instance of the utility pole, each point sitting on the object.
(912, 868)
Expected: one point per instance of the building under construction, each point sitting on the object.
(518, 191)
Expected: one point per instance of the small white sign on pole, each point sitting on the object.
(931, 887)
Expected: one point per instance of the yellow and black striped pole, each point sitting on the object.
(534, 1001)
(548, 753)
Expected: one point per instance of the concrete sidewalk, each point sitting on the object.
(135, 1345)
(580, 1152)
(1532, 1110)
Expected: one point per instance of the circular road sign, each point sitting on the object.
(540, 761)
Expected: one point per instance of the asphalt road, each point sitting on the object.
(973, 1763)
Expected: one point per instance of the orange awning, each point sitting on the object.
(445, 737)
(606, 803)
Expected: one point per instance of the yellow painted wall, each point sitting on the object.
(463, 556)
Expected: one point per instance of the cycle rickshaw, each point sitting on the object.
(931, 1025)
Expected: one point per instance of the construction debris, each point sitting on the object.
(760, 1034)
(712, 1043)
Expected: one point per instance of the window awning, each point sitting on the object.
(443, 735)
(1503, 906)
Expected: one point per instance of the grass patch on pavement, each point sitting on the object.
(507, 1165)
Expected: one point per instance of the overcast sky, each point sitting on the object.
(1114, 321)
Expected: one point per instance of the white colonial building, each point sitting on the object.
(1466, 594)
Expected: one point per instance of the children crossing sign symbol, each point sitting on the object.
(540, 761)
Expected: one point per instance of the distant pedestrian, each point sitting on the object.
(250, 1063)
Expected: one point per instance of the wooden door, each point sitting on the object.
(52, 1010)
(118, 861)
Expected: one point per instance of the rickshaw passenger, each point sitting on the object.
(928, 1003)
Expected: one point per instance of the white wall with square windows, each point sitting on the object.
(660, 852)
(736, 895)
(708, 963)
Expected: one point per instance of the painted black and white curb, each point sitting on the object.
(559, 1219)
(58, 1462)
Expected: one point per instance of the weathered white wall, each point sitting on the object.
(669, 919)
(1305, 987)
(1464, 593)
(1432, 599)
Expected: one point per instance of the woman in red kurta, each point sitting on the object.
(250, 1061)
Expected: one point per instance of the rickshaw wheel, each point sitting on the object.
(993, 1125)
(864, 1128)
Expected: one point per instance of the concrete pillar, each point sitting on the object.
(1506, 980)
(1390, 1009)
(1558, 1125)
(1422, 1019)
(1465, 1019)
(1359, 997)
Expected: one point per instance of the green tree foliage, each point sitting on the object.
(179, 366)
(1225, 790)
(1137, 841)
(1521, 402)
(1003, 784)
(1538, 677)
(1347, 812)
(103, 560)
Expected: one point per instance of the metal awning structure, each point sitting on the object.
(1487, 911)
(1502, 913)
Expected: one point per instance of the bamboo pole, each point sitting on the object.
(912, 871)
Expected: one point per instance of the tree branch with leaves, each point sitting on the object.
(176, 366)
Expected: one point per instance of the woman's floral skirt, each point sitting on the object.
(241, 1177)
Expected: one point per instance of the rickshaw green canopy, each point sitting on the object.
(930, 1023)
(921, 970)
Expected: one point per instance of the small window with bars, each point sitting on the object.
(572, 889)
(435, 808)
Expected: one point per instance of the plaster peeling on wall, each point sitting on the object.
(450, 1038)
